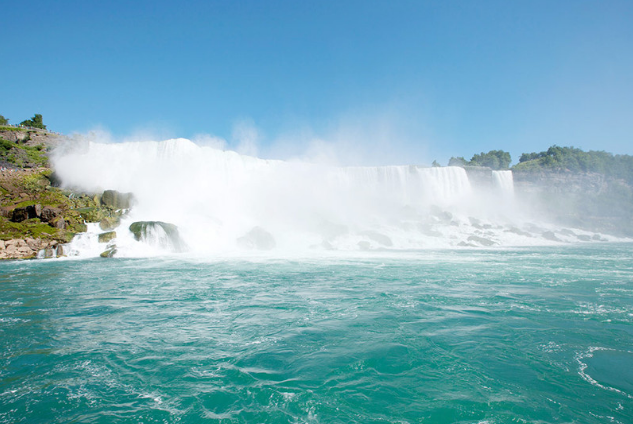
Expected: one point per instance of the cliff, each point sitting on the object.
(587, 200)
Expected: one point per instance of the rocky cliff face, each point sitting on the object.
(585, 200)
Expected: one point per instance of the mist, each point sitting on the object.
(225, 202)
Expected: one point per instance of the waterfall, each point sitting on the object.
(215, 198)
(503, 181)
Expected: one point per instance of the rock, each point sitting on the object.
(116, 200)
(567, 232)
(33, 244)
(598, 237)
(364, 245)
(19, 215)
(583, 237)
(62, 250)
(378, 238)
(481, 240)
(550, 235)
(107, 224)
(109, 253)
(49, 214)
(58, 223)
(163, 234)
(441, 214)
(26, 212)
(257, 239)
(428, 230)
(106, 237)
(515, 230)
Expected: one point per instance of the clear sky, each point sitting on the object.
(384, 81)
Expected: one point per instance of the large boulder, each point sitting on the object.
(49, 213)
(257, 239)
(158, 233)
(116, 200)
(106, 237)
(109, 223)
(26, 212)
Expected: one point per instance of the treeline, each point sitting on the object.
(572, 159)
(35, 122)
(557, 159)
(495, 159)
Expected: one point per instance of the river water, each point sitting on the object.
(534, 334)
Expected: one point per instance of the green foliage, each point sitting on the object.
(436, 164)
(457, 161)
(3, 120)
(576, 160)
(6, 128)
(495, 159)
(5, 145)
(22, 155)
(35, 122)
(34, 182)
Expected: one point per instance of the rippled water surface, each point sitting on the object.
(525, 335)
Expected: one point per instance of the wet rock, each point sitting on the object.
(106, 237)
(378, 238)
(107, 224)
(116, 200)
(364, 245)
(109, 253)
(257, 239)
(518, 231)
(481, 240)
(550, 235)
(160, 233)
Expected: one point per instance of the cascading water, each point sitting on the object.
(216, 198)
(503, 181)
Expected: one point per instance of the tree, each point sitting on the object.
(436, 164)
(457, 161)
(35, 122)
(3, 120)
(495, 159)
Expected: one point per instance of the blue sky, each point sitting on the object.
(385, 81)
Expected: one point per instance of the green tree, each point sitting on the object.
(436, 164)
(495, 159)
(35, 122)
(457, 161)
(3, 120)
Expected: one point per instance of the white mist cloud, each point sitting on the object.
(209, 140)
(246, 137)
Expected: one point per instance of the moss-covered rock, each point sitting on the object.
(108, 253)
(106, 237)
(109, 223)
(116, 200)
(158, 233)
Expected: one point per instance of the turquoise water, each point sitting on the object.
(524, 335)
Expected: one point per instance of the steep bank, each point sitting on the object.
(36, 215)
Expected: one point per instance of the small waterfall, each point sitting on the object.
(503, 181)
